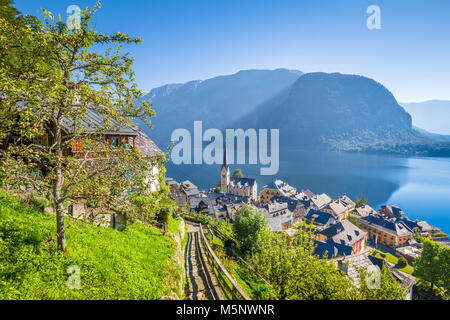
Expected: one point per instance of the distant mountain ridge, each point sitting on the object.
(218, 101)
(345, 112)
(432, 116)
(333, 111)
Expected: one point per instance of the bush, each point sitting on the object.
(40, 203)
(247, 228)
(163, 217)
(402, 262)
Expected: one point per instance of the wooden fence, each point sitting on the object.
(229, 287)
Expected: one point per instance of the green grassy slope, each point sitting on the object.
(132, 264)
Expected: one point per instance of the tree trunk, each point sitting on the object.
(60, 230)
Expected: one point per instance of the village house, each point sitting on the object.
(189, 189)
(389, 232)
(411, 253)
(352, 263)
(319, 201)
(319, 218)
(341, 207)
(295, 206)
(304, 195)
(182, 192)
(117, 136)
(280, 221)
(343, 236)
(277, 188)
(363, 211)
(391, 211)
(176, 193)
(417, 226)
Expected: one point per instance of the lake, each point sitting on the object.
(420, 186)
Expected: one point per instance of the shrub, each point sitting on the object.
(39, 202)
(247, 227)
(402, 262)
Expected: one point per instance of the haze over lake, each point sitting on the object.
(420, 186)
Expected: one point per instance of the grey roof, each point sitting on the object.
(341, 205)
(146, 145)
(276, 222)
(94, 120)
(321, 200)
(398, 228)
(319, 217)
(344, 232)
(275, 207)
(191, 192)
(357, 261)
(365, 211)
(309, 193)
(292, 203)
(424, 226)
(188, 185)
(331, 249)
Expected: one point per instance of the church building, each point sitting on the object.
(245, 187)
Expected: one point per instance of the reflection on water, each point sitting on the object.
(420, 186)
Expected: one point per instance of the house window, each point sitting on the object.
(115, 141)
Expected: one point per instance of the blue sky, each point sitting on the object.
(199, 39)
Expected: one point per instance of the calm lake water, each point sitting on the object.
(420, 186)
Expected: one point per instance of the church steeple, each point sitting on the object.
(224, 173)
(224, 162)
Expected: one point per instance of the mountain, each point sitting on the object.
(218, 102)
(432, 116)
(314, 110)
(345, 112)
(434, 136)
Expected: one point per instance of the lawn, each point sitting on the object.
(129, 264)
(392, 259)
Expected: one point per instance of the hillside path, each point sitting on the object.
(199, 284)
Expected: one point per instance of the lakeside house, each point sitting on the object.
(319, 201)
(391, 211)
(278, 188)
(363, 211)
(389, 232)
(304, 195)
(340, 208)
